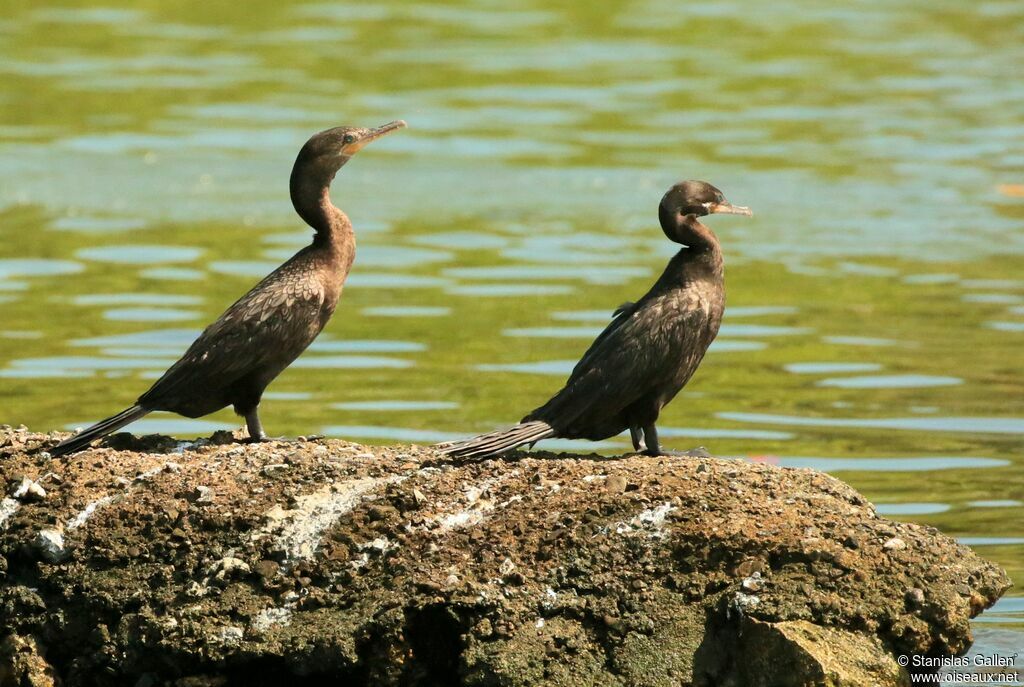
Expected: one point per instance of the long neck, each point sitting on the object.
(697, 235)
(310, 191)
(701, 243)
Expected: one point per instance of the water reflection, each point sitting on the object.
(911, 508)
(37, 267)
(149, 314)
(378, 256)
(860, 341)
(711, 433)
(407, 311)
(462, 240)
(557, 368)
(996, 503)
(389, 280)
(990, 541)
(99, 225)
(86, 363)
(981, 425)
(177, 338)
(999, 298)
(507, 290)
(830, 367)
(908, 381)
(936, 278)
(172, 274)
(140, 255)
(398, 434)
(760, 330)
(395, 406)
(326, 345)
(347, 362)
(893, 464)
(591, 275)
(554, 332)
(159, 424)
(1006, 326)
(734, 311)
(135, 299)
(287, 396)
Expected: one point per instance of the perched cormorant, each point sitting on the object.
(236, 357)
(649, 350)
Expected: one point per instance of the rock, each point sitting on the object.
(754, 583)
(267, 569)
(22, 663)
(28, 490)
(914, 597)
(50, 544)
(615, 484)
(795, 653)
(201, 495)
(229, 568)
(894, 544)
(406, 569)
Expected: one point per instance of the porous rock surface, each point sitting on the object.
(157, 562)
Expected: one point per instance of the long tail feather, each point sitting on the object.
(496, 443)
(100, 429)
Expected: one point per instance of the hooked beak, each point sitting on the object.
(727, 208)
(372, 135)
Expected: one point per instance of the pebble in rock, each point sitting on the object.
(230, 567)
(894, 544)
(50, 544)
(29, 490)
(754, 583)
(201, 494)
(615, 484)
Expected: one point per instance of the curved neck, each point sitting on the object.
(310, 191)
(688, 230)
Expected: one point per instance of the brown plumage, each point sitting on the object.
(236, 357)
(649, 350)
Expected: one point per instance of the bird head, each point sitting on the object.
(332, 148)
(699, 198)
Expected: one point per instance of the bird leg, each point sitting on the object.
(638, 438)
(252, 422)
(654, 448)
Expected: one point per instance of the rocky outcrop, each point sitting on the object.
(158, 562)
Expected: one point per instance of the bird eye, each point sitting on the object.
(349, 138)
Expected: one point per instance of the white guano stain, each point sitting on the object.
(268, 618)
(298, 530)
(8, 507)
(86, 513)
(477, 509)
(651, 520)
(90, 509)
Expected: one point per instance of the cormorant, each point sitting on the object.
(649, 350)
(236, 357)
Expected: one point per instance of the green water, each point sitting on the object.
(876, 299)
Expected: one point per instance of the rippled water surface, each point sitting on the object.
(875, 321)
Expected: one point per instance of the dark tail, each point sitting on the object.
(100, 429)
(496, 443)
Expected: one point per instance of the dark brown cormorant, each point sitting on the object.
(649, 350)
(236, 357)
